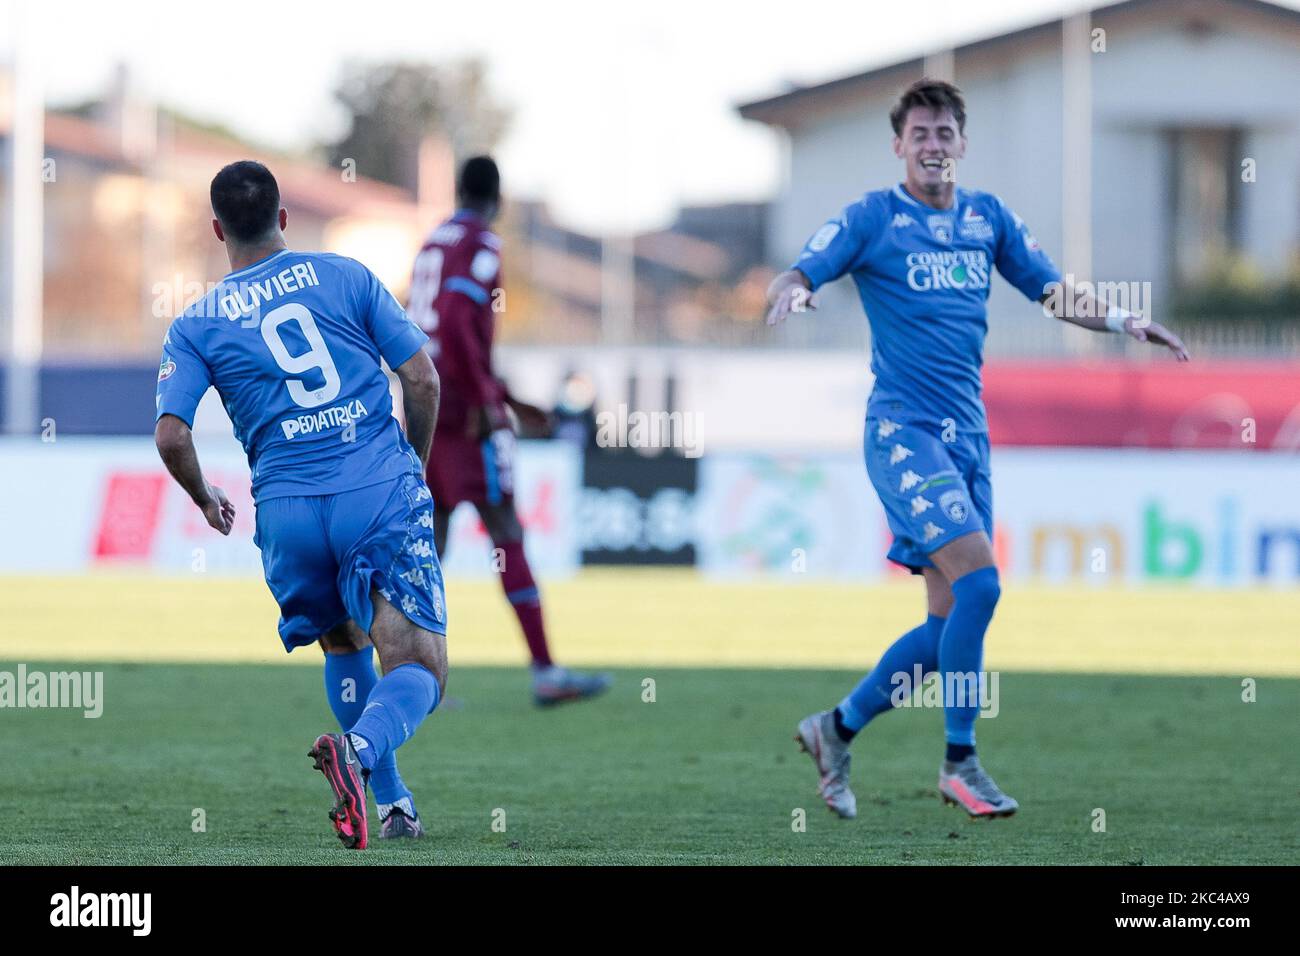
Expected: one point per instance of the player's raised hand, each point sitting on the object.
(1156, 334)
(474, 427)
(218, 510)
(483, 420)
(789, 293)
(531, 419)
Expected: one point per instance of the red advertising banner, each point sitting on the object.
(129, 518)
(1229, 405)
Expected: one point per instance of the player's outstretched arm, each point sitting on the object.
(421, 392)
(789, 292)
(175, 444)
(1089, 312)
(533, 420)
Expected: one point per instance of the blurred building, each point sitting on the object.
(128, 241)
(1146, 142)
(1147, 185)
(700, 280)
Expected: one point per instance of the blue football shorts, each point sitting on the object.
(323, 554)
(933, 491)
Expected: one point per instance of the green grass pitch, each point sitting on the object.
(1185, 771)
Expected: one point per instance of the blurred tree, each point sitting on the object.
(393, 106)
(1234, 290)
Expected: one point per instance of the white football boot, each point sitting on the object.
(817, 737)
(969, 786)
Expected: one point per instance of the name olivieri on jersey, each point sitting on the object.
(248, 297)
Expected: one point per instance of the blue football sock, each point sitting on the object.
(873, 694)
(349, 679)
(400, 701)
(956, 753)
(961, 652)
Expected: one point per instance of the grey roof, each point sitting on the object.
(777, 110)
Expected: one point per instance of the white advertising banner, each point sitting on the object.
(1200, 518)
(1203, 518)
(1209, 518)
(78, 503)
(798, 515)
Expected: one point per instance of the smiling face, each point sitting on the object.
(931, 143)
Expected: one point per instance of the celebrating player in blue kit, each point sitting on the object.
(921, 255)
(292, 342)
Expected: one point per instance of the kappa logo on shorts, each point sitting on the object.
(910, 480)
(414, 576)
(420, 548)
(931, 531)
(953, 504)
(898, 453)
(886, 428)
(921, 504)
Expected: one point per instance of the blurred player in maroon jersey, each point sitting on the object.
(455, 282)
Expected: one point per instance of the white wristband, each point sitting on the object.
(1116, 317)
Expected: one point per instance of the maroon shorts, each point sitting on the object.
(462, 469)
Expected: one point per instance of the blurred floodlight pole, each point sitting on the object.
(23, 226)
(617, 243)
(617, 289)
(1076, 158)
(940, 65)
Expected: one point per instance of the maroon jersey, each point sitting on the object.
(453, 287)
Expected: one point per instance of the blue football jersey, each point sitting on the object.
(292, 345)
(923, 276)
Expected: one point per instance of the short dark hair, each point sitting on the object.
(246, 199)
(479, 179)
(930, 94)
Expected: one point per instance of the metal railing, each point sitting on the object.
(1023, 335)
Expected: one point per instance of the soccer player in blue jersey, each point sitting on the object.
(293, 343)
(921, 255)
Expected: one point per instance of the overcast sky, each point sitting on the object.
(621, 111)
